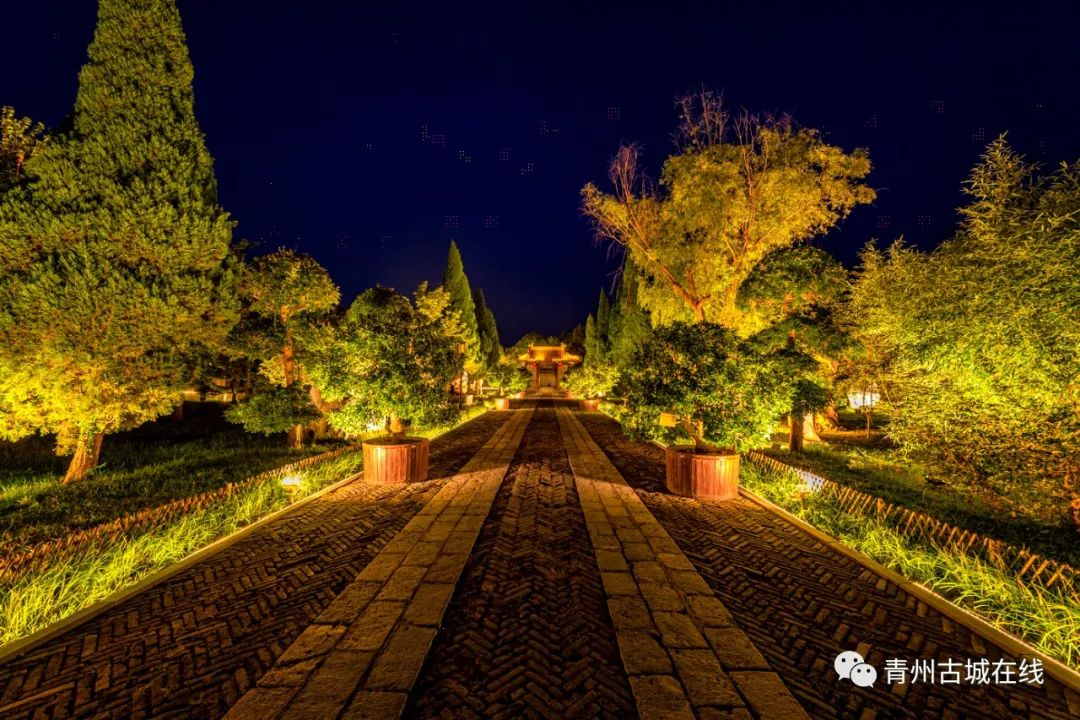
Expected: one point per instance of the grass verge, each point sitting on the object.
(1046, 619)
(884, 474)
(62, 588)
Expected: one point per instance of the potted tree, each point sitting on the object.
(390, 369)
(591, 382)
(708, 396)
(508, 379)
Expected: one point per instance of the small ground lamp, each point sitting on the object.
(290, 483)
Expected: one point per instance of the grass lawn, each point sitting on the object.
(153, 465)
(875, 468)
(1048, 619)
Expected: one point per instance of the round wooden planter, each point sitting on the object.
(502, 403)
(590, 405)
(702, 475)
(395, 461)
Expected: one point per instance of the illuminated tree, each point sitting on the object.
(592, 350)
(736, 192)
(788, 303)
(490, 348)
(592, 380)
(115, 257)
(20, 140)
(508, 376)
(603, 326)
(724, 393)
(456, 284)
(288, 296)
(979, 340)
(629, 325)
(391, 363)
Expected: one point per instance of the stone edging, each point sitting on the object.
(20, 647)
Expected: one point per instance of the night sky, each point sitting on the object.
(370, 135)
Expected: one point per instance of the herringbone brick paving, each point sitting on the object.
(528, 634)
(802, 603)
(190, 646)
(361, 656)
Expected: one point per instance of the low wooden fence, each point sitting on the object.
(1024, 565)
(17, 562)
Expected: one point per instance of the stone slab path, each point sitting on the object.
(542, 573)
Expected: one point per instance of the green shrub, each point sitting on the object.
(721, 390)
(592, 380)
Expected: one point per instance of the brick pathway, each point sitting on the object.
(802, 603)
(528, 632)
(360, 657)
(191, 646)
(542, 573)
(679, 645)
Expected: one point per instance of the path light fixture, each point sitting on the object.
(290, 483)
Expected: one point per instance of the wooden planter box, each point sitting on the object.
(590, 405)
(714, 476)
(502, 403)
(395, 461)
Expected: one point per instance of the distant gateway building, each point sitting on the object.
(548, 364)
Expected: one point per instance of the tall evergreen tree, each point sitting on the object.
(490, 347)
(629, 323)
(456, 284)
(590, 340)
(115, 257)
(603, 321)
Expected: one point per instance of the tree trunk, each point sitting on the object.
(867, 425)
(178, 412)
(831, 416)
(795, 435)
(396, 426)
(87, 452)
(296, 436)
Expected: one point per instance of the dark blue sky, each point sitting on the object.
(369, 136)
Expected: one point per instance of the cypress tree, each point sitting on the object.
(490, 347)
(590, 340)
(115, 257)
(628, 324)
(456, 284)
(603, 319)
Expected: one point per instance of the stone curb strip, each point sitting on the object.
(361, 656)
(679, 646)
